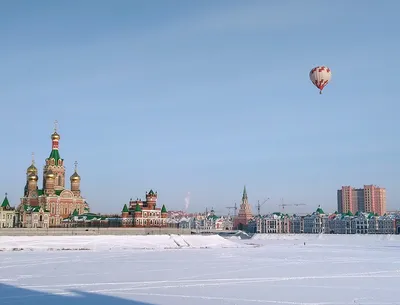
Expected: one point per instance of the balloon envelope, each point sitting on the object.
(320, 77)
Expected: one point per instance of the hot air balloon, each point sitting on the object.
(320, 76)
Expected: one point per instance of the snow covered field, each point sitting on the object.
(207, 270)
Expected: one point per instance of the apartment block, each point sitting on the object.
(370, 199)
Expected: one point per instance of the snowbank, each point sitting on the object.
(109, 242)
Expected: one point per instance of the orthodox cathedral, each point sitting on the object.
(49, 205)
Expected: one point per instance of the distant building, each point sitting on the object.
(7, 214)
(34, 217)
(397, 225)
(211, 221)
(144, 213)
(370, 199)
(316, 222)
(53, 201)
(274, 223)
(245, 215)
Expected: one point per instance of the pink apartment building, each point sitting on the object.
(370, 199)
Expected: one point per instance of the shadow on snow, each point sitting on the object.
(11, 295)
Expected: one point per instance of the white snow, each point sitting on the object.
(327, 270)
(110, 242)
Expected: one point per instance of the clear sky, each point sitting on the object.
(202, 97)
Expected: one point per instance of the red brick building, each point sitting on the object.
(144, 213)
(54, 199)
(245, 215)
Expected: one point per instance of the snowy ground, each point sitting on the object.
(336, 270)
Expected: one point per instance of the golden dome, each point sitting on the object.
(31, 169)
(33, 177)
(50, 175)
(75, 177)
(55, 136)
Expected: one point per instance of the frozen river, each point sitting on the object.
(275, 269)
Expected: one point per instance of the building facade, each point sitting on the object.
(273, 223)
(141, 213)
(53, 201)
(370, 199)
(7, 214)
(245, 215)
(316, 222)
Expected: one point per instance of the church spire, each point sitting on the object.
(55, 138)
(54, 169)
(244, 197)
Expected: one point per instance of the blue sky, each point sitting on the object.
(202, 97)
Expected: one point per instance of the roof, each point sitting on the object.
(85, 217)
(5, 203)
(55, 154)
(320, 210)
(33, 209)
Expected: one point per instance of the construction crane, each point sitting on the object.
(234, 210)
(283, 205)
(260, 205)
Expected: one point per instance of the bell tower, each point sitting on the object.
(54, 164)
(245, 213)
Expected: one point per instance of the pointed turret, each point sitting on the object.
(244, 197)
(125, 215)
(164, 213)
(6, 203)
(138, 208)
(137, 214)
